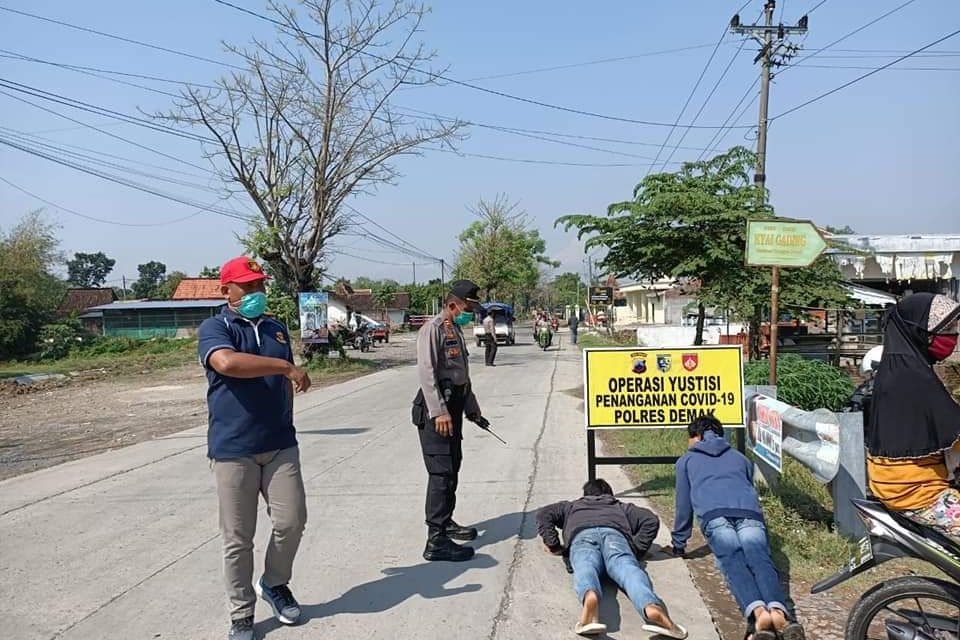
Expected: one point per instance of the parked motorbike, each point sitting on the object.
(909, 607)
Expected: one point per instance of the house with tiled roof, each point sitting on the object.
(78, 302)
(198, 289)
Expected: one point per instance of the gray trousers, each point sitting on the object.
(240, 482)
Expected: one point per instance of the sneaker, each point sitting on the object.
(285, 606)
(459, 532)
(242, 629)
(442, 548)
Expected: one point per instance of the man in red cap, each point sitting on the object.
(252, 442)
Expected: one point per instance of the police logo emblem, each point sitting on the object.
(254, 266)
(664, 362)
(691, 361)
(639, 362)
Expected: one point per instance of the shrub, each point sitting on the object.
(56, 340)
(807, 384)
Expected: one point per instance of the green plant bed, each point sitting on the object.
(807, 384)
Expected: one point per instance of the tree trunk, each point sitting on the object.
(701, 317)
(755, 337)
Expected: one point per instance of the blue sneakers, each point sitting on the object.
(285, 606)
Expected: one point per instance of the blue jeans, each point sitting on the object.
(743, 555)
(600, 550)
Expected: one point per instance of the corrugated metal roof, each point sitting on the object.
(161, 304)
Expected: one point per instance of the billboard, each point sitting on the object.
(649, 387)
(313, 318)
(601, 295)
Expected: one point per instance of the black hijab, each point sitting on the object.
(913, 414)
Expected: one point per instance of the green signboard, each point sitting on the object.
(783, 243)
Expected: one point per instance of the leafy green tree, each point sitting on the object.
(151, 276)
(170, 283)
(29, 291)
(845, 230)
(209, 272)
(691, 224)
(500, 252)
(423, 296)
(568, 289)
(384, 294)
(89, 269)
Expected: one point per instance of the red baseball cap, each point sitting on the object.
(241, 269)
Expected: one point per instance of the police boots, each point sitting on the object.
(441, 548)
(460, 532)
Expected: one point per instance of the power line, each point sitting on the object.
(113, 165)
(468, 85)
(98, 110)
(554, 163)
(368, 259)
(706, 101)
(864, 76)
(383, 228)
(815, 7)
(720, 135)
(862, 68)
(95, 219)
(106, 133)
(121, 181)
(693, 92)
(588, 63)
(112, 36)
(816, 52)
(33, 136)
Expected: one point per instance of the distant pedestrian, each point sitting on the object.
(445, 396)
(252, 443)
(574, 324)
(490, 336)
(603, 536)
(715, 482)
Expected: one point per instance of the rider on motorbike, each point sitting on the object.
(914, 423)
(543, 326)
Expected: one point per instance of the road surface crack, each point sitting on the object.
(501, 615)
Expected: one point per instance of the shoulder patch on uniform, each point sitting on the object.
(282, 339)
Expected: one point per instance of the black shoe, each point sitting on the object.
(280, 598)
(443, 549)
(242, 629)
(460, 532)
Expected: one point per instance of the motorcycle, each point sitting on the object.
(893, 609)
(544, 338)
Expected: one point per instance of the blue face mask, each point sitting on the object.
(463, 318)
(252, 305)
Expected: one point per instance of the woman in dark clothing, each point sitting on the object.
(914, 425)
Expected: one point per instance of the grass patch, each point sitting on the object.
(593, 340)
(324, 371)
(115, 356)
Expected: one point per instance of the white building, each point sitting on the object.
(902, 264)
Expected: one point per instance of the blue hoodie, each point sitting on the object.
(713, 481)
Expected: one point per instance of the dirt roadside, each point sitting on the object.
(58, 421)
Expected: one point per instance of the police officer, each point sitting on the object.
(445, 395)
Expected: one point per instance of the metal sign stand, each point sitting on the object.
(593, 461)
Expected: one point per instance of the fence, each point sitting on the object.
(829, 445)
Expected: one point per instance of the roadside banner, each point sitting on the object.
(765, 433)
(651, 387)
(313, 318)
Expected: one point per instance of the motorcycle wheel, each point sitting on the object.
(898, 603)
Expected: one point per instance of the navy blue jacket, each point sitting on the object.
(713, 481)
(252, 415)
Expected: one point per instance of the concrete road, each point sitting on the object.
(124, 545)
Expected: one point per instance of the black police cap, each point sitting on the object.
(466, 290)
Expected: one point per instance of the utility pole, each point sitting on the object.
(123, 291)
(414, 274)
(443, 267)
(772, 52)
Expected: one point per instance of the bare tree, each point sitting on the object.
(310, 122)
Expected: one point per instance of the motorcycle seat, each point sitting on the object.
(921, 530)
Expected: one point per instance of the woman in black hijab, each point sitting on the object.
(914, 422)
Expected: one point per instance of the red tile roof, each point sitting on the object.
(79, 300)
(198, 289)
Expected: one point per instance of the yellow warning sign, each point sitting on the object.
(637, 387)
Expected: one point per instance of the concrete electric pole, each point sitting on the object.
(774, 51)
